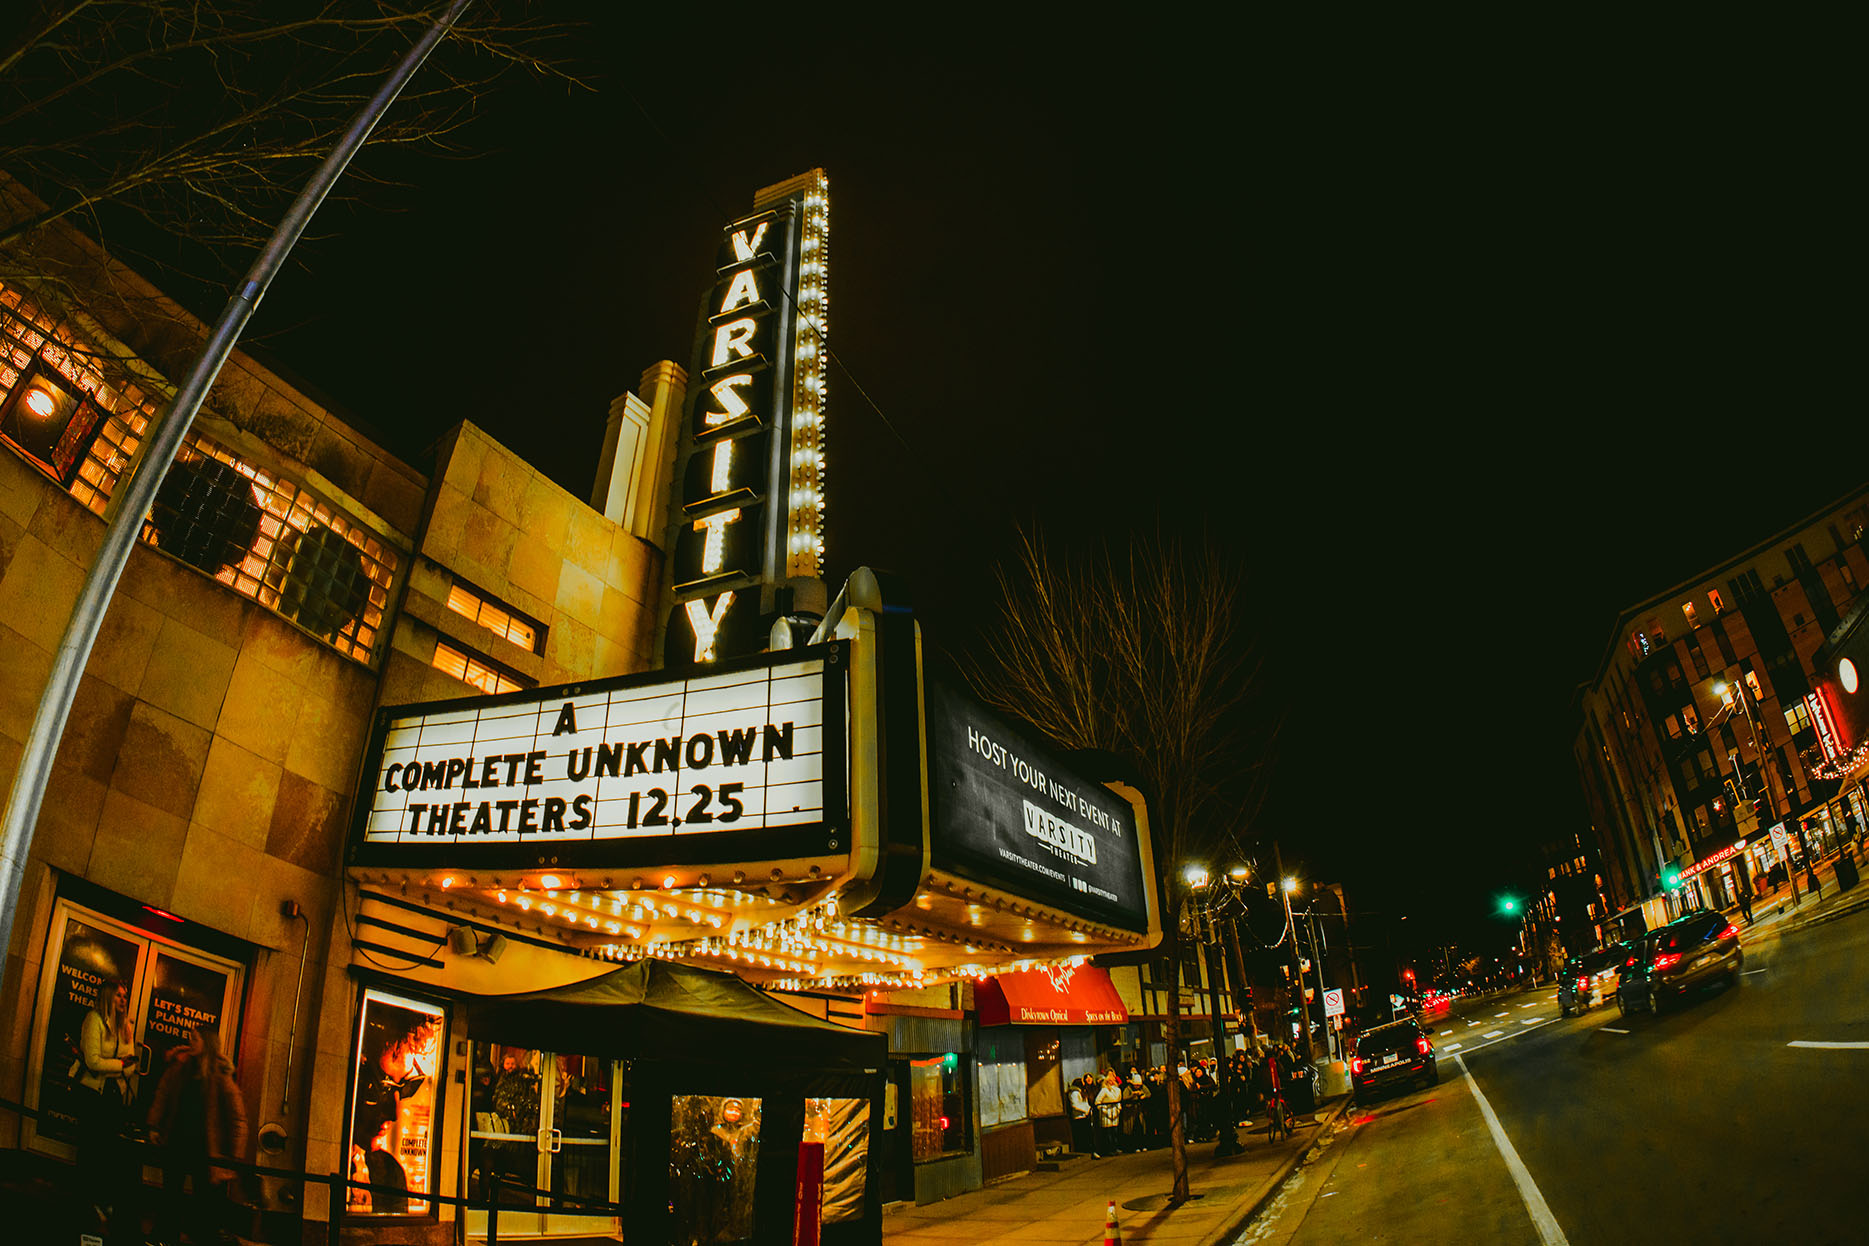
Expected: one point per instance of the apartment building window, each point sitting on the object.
(1699, 656)
(1687, 608)
(496, 616)
(477, 670)
(1752, 682)
(1690, 719)
(1713, 595)
(1674, 727)
(1727, 656)
(1799, 560)
(1849, 577)
(1797, 718)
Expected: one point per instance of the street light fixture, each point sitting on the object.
(1196, 876)
(1291, 885)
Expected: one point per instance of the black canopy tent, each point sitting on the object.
(691, 1032)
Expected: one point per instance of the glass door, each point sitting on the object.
(170, 990)
(541, 1126)
(588, 1116)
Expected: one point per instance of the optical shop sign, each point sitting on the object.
(736, 749)
(1009, 811)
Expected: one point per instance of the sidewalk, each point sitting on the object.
(1068, 1206)
(1776, 914)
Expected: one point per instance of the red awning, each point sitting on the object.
(1064, 996)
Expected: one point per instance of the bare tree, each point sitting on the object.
(1142, 655)
(197, 122)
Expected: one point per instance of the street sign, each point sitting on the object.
(1780, 840)
(1333, 1002)
(1395, 1001)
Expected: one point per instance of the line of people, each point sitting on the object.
(1119, 1112)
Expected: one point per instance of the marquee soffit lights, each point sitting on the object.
(745, 930)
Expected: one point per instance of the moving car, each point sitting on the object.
(1391, 1054)
(1687, 952)
(1588, 982)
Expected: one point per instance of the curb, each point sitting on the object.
(1256, 1201)
(1818, 917)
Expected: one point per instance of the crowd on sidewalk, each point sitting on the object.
(1120, 1111)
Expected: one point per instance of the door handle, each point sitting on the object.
(143, 1058)
(558, 1141)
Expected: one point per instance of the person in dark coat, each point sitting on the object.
(199, 1121)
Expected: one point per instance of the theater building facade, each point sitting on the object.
(521, 848)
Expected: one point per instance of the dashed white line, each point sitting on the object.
(1473, 1023)
(1502, 1014)
(1452, 1047)
(1610, 1029)
(1830, 1046)
(1494, 1034)
(1548, 1231)
(1534, 1004)
(1750, 972)
(1531, 1020)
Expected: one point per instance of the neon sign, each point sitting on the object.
(748, 513)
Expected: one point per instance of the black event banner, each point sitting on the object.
(1008, 811)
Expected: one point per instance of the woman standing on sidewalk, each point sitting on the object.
(1109, 1114)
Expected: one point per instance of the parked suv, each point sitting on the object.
(1687, 952)
(1588, 982)
(1401, 1051)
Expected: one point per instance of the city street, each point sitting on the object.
(1734, 1116)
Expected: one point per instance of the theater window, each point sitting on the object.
(473, 668)
(496, 616)
(89, 414)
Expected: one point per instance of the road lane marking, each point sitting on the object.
(1610, 1029)
(1548, 1231)
(1831, 1046)
(1474, 1023)
(1531, 1020)
(1531, 1005)
(1494, 1034)
(1452, 1047)
(1750, 972)
(1502, 1014)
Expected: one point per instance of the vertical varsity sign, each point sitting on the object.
(746, 513)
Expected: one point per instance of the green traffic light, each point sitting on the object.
(1508, 905)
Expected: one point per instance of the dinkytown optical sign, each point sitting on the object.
(744, 762)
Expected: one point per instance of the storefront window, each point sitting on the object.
(843, 1126)
(398, 1065)
(713, 1158)
(1002, 1077)
(938, 1107)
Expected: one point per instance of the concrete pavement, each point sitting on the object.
(1069, 1205)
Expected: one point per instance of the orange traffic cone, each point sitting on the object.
(1111, 1234)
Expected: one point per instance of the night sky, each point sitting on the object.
(1455, 361)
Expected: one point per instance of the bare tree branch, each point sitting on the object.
(201, 120)
(1142, 656)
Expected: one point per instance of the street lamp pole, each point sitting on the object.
(1767, 768)
(1291, 932)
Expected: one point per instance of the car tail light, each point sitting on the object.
(1422, 1045)
(1729, 932)
(1667, 960)
(1356, 1064)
